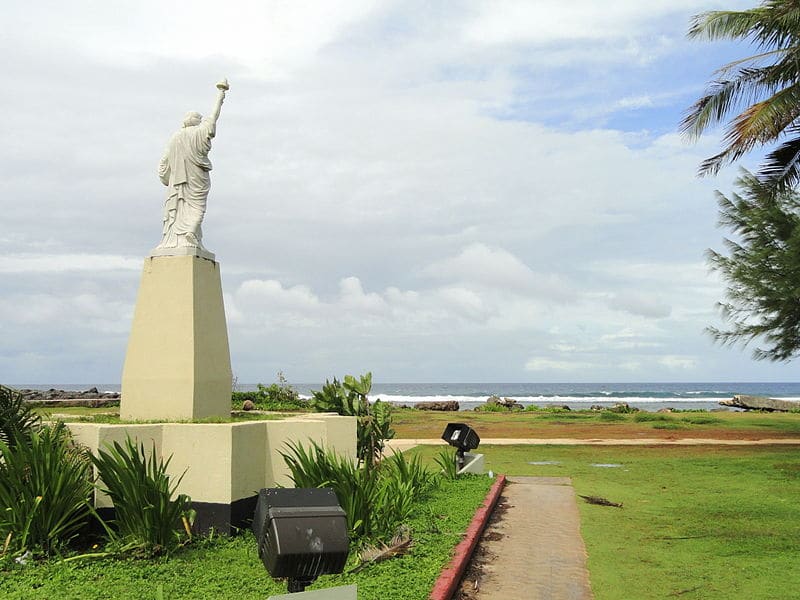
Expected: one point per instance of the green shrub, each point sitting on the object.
(376, 500)
(276, 396)
(350, 398)
(548, 409)
(492, 407)
(701, 420)
(147, 513)
(45, 488)
(17, 418)
(238, 398)
(412, 471)
(608, 415)
(643, 417)
(446, 459)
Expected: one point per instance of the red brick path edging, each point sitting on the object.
(450, 578)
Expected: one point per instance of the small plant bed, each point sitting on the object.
(228, 567)
(403, 519)
(104, 416)
(279, 396)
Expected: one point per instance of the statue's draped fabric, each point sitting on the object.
(184, 169)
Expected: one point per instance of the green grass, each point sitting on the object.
(542, 423)
(710, 522)
(106, 416)
(229, 568)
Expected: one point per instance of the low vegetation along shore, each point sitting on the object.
(493, 420)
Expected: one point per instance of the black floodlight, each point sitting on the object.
(301, 534)
(463, 438)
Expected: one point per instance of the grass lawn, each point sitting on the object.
(706, 522)
(110, 415)
(409, 423)
(590, 424)
(229, 567)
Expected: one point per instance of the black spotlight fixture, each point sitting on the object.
(463, 438)
(301, 534)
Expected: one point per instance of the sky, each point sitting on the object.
(477, 191)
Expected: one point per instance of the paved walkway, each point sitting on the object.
(537, 542)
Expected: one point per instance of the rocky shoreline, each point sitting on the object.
(53, 397)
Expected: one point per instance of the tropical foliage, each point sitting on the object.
(17, 418)
(147, 511)
(762, 91)
(376, 500)
(351, 398)
(446, 459)
(762, 268)
(276, 396)
(45, 486)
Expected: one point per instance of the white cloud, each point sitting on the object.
(645, 305)
(548, 364)
(491, 267)
(352, 297)
(427, 192)
(59, 263)
(679, 362)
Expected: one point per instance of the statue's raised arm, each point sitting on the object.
(185, 169)
(223, 87)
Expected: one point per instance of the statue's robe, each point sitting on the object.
(184, 169)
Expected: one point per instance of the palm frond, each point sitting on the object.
(782, 165)
(400, 545)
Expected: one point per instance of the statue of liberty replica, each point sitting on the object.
(186, 171)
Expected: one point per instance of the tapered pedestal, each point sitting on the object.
(178, 364)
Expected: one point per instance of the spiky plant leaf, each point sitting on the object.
(45, 488)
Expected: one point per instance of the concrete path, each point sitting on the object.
(537, 545)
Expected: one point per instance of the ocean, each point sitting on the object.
(644, 396)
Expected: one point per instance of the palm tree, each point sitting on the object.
(764, 87)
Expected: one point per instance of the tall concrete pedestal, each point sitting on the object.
(178, 364)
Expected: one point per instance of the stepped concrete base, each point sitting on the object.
(224, 464)
(178, 364)
(473, 463)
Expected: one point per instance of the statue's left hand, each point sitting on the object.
(223, 85)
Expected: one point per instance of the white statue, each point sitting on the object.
(184, 169)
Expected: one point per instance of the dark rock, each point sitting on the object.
(596, 407)
(509, 403)
(444, 405)
(761, 403)
(52, 397)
